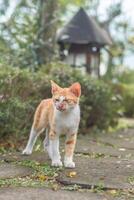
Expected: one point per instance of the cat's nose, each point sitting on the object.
(61, 106)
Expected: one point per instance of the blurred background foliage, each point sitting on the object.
(29, 60)
(27, 34)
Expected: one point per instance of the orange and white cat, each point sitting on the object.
(60, 114)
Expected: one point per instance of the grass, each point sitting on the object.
(131, 180)
(25, 182)
(43, 175)
(39, 168)
(123, 123)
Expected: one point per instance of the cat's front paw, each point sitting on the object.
(57, 163)
(70, 164)
(26, 152)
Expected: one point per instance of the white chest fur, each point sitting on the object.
(67, 122)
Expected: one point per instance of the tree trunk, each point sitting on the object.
(47, 22)
(109, 66)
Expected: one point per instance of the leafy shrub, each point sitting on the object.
(128, 100)
(16, 102)
(21, 91)
(125, 88)
(127, 77)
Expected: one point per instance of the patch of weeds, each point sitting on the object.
(39, 145)
(107, 144)
(43, 175)
(123, 194)
(44, 169)
(24, 182)
(98, 188)
(98, 155)
(2, 161)
(91, 155)
(131, 180)
(115, 192)
(2, 150)
(79, 154)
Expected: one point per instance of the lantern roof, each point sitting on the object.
(83, 29)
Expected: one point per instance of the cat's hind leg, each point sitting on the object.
(31, 141)
(47, 145)
(34, 133)
(38, 127)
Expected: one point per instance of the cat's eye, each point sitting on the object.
(65, 100)
(56, 100)
(68, 100)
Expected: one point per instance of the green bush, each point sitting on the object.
(125, 88)
(128, 100)
(127, 77)
(21, 91)
(126, 85)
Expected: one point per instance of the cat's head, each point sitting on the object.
(65, 98)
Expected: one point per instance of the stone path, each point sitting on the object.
(108, 161)
(46, 194)
(114, 145)
(104, 162)
(107, 173)
(11, 171)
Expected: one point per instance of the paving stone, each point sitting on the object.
(46, 194)
(89, 146)
(124, 139)
(107, 172)
(8, 170)
(41, 157)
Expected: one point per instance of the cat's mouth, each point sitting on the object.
(61, 109)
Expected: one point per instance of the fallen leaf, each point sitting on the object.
(72, 174)
(55, 187)
(42, 177)
(112, 191)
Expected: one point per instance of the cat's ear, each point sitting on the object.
(54, 87)
(76, 89)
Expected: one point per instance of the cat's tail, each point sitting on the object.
(47, 144)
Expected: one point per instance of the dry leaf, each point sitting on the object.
(55, 187)
(113, 191)
(72, 174)
(42, 177)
